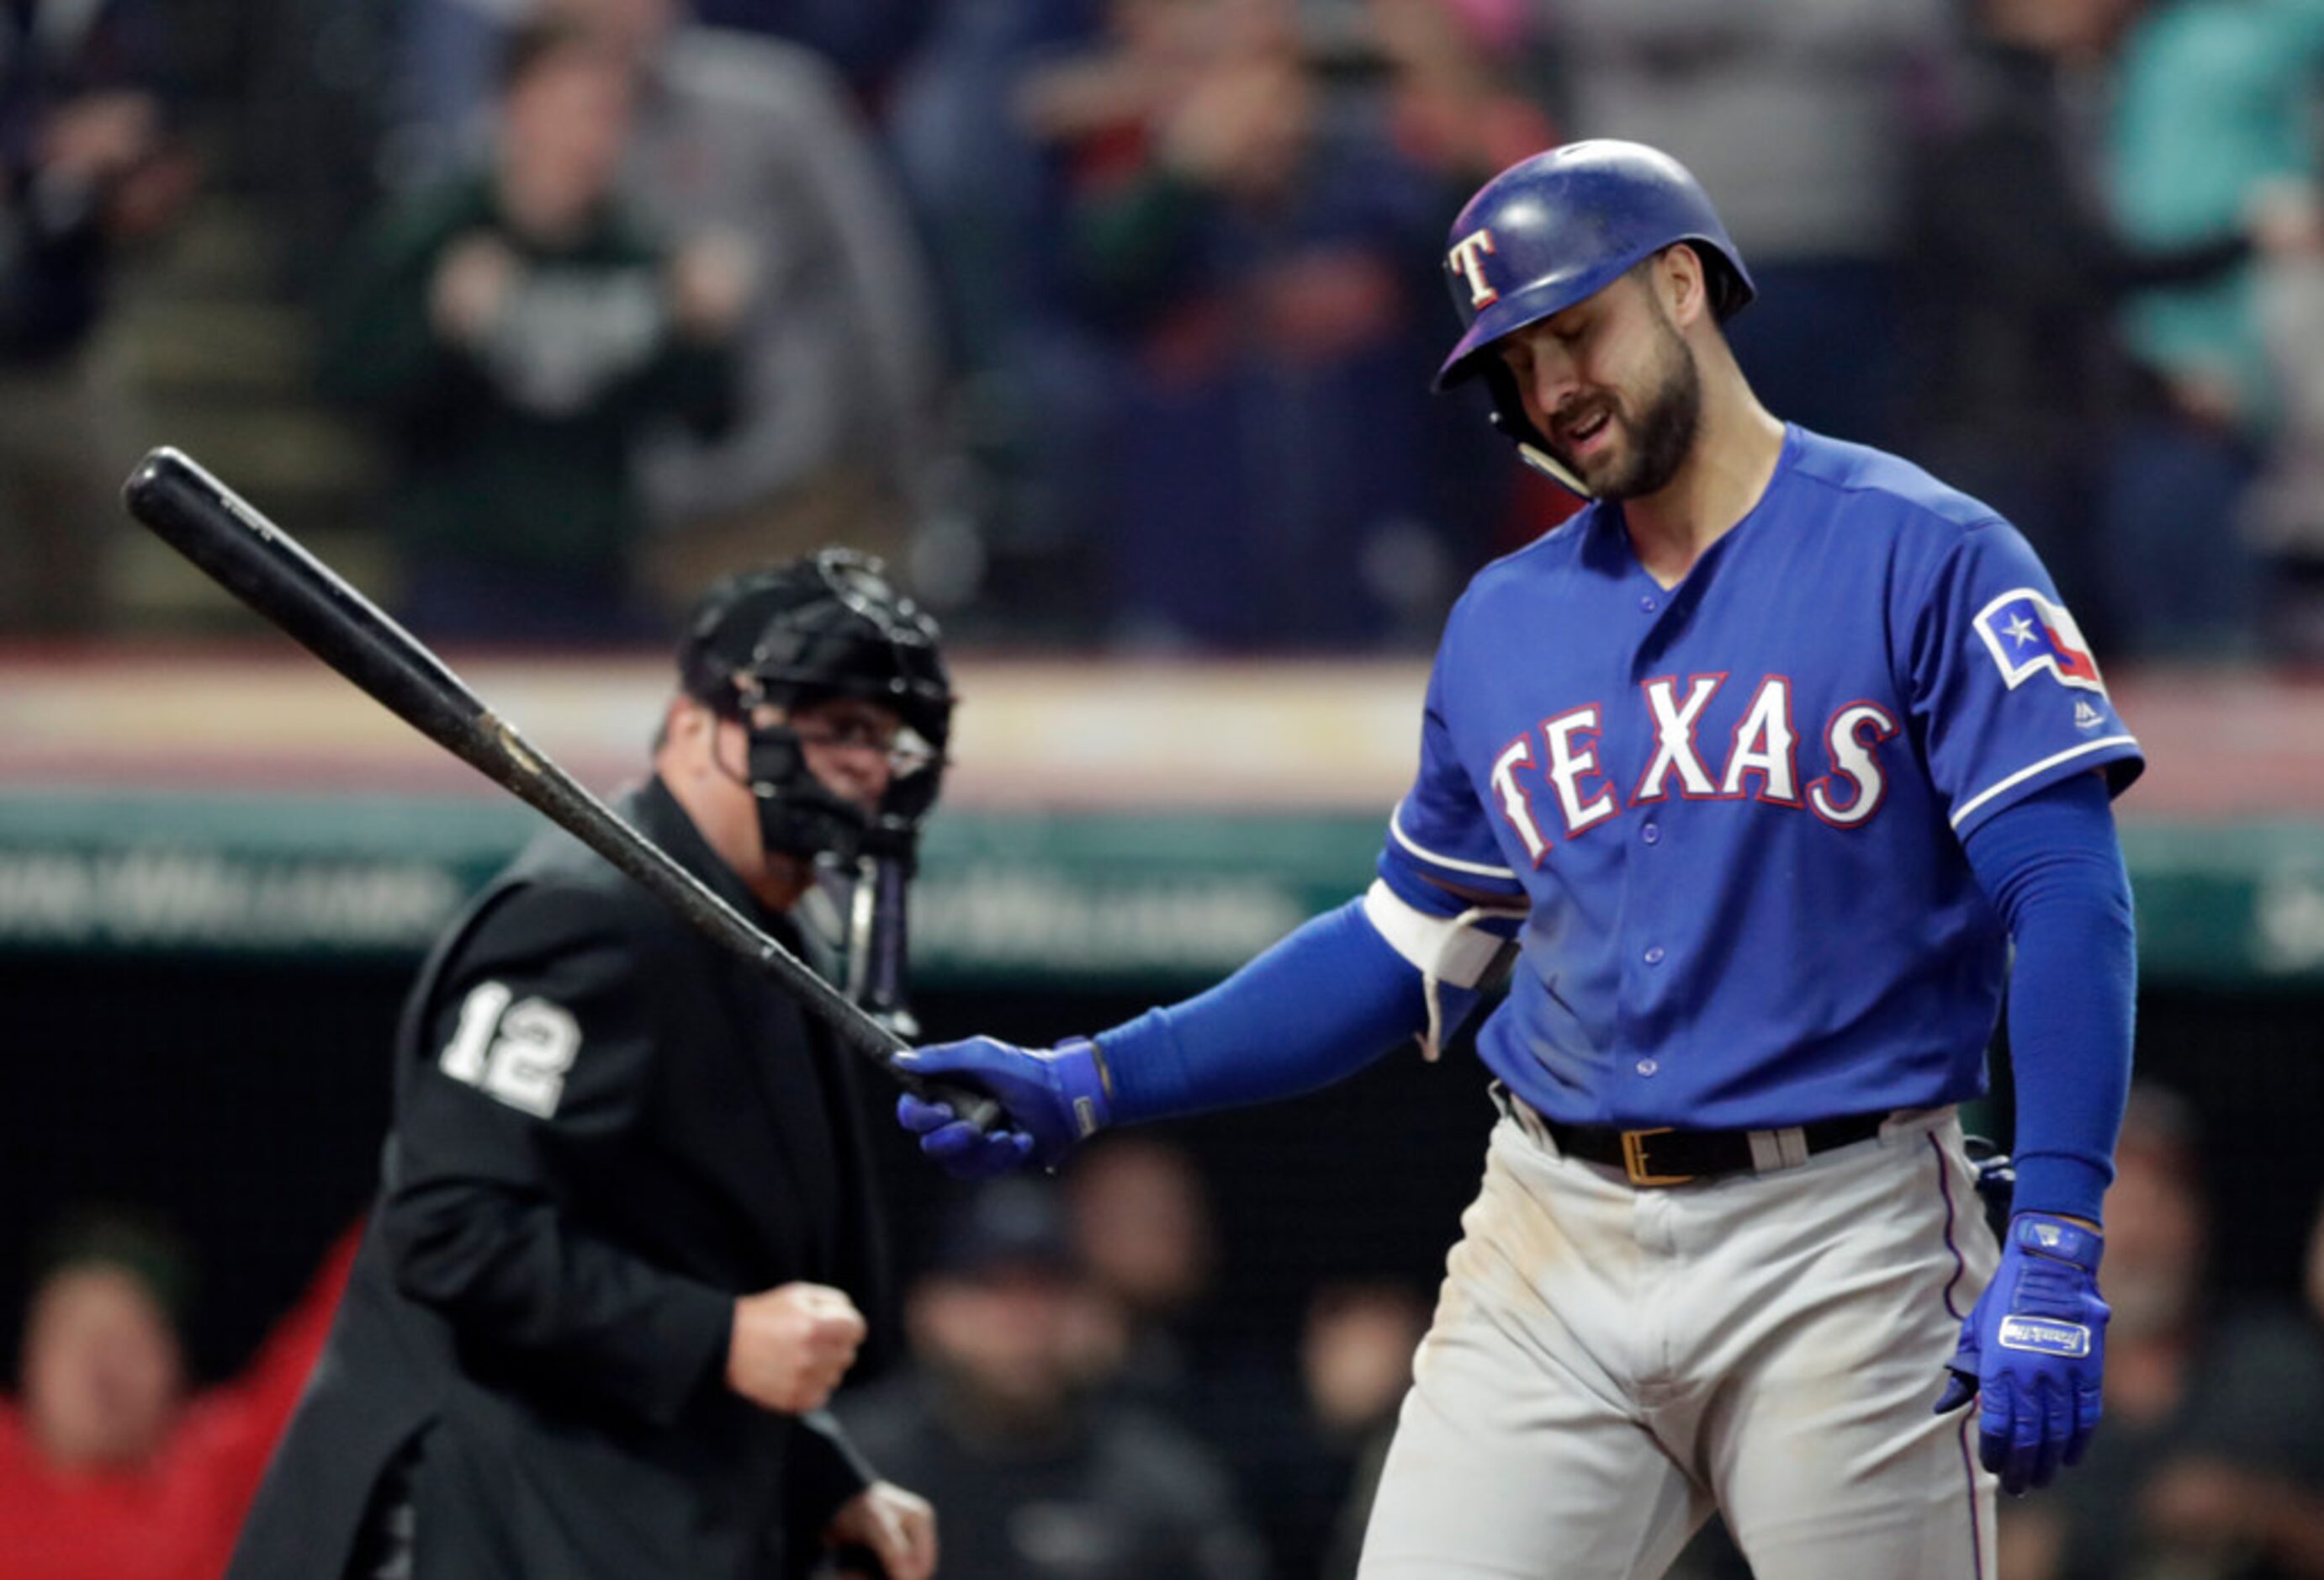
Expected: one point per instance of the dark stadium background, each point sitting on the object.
(248, 1099)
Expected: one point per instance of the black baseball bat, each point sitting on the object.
(269, 569)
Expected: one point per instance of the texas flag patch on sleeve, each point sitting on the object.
(2027, 633)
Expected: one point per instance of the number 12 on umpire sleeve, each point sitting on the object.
(515, 1052)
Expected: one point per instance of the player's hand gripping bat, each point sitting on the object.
(268, 569)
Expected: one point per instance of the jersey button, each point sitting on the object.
(1648, 604)
(1648, 1067)
(1655, 956)
(1652, 833)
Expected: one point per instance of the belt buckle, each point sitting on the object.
(1634, 1157)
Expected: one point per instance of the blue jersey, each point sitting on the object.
(1734, 809)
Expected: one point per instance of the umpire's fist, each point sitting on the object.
(789, 1346)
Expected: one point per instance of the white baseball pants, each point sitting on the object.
(1609, 1364)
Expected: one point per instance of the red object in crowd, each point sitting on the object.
(177, 1517)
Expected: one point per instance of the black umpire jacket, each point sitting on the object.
(605, 1128)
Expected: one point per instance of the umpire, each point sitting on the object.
(624, 1226)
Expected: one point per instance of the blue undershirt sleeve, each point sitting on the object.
(1326, 1001)
(2052, 866)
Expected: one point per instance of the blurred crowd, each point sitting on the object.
(1112, 320)
(1083, 1397)
(1072, 1400)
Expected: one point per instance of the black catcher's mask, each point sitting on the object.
(796, 635)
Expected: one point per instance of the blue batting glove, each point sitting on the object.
(2032, 1351)
(1054, 1097)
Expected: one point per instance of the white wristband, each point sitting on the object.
(1444, 949)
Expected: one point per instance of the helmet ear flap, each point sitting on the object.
(1515, 423)
(1510, 413)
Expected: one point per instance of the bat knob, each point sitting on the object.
(967, 1104)
(974, 1108)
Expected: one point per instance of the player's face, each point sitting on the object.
(1613, 386)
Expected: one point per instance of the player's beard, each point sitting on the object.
(1660, 439)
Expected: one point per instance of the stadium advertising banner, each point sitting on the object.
(1103, 826)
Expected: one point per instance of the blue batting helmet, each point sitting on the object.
(1563, 226)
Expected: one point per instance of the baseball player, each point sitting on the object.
(1766, 761)
(624, 1225)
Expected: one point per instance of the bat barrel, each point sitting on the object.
(271, 571)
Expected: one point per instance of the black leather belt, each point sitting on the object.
(1667, 1156)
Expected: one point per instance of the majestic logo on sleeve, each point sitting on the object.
(1467, 259)
(2027, 634)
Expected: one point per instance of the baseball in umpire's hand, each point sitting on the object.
(2032, 1351)
(1054, 1097)
(789, 1346)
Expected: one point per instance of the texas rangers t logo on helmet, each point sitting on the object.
(1467, 259)
(2026, 632)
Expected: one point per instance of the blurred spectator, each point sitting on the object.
(1312, 1478)
(2017, 275)
(86, 165)
(1467, 84)
(969, 124)
(109, 1470)
(442, 86)
(2212, 1458)
(2285, 510)
(1267, 262)
(1007, 1424)
(449, 43)
(1142, 1227)
(867, 40)
(840, 437)
(1798, 114)
(1304, 1447)
(516, 335)
(837, 437)
(2213, 101)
